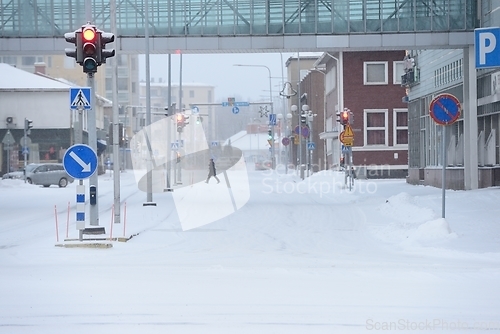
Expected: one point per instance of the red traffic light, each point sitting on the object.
(344, 117)
(90, 49)
(89, 34)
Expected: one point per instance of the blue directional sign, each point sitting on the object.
(241, 104)
(236, 104)
(195, 110)
(487, 47)
(445, 109)
(236, 110)
(79, 97)
(272, 119)
(80, 161)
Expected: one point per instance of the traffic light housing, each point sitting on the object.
(180, 122)
(345, 116)
(303, 118)
(270, 137)
(90, 48)
(105, 38)
(28, 125)
(75, 38)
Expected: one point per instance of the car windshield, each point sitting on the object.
(31, 167)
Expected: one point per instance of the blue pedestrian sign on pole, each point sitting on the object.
(236, 110)
(79, 97)
(311, 145)
(272, 119)
(80, 161)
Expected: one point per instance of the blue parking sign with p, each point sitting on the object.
(487, 47)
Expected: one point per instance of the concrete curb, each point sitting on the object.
(86, 245)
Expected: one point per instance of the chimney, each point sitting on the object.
(40, 68)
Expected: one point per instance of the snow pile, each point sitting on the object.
(432, 230)
(402, 208)
(409, 222)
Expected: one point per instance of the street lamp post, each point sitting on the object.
(273, 158)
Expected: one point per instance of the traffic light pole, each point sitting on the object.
(91, 128)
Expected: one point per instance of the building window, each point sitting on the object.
(69, 62)
(398, 71)
(375, 73)
(400, 127)
(122, 84)
(376, 127)
(10, 60)
(191, 93)
(28, 60)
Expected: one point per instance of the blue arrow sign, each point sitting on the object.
(79, 97)
(195, 110)
(236, 110)
(80, 161)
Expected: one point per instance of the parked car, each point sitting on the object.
(46, 174)
(14, 175)
(261, 164)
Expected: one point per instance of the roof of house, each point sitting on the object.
(12, 78)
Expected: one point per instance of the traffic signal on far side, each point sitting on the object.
(180, 122)
(28, 125)
(303, 118)
(344, 116)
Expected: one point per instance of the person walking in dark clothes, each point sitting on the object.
(212, 171)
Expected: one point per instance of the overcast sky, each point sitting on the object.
(244, 83)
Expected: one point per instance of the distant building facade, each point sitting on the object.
(369, 85)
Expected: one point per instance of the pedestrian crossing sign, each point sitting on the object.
(79, 97)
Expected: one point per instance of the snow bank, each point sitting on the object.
(402, 208)
(432, 230)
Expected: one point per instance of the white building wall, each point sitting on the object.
(47, 109)
(428, 62)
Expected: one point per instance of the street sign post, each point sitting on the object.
(444, 110)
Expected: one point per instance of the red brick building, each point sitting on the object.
(369, 85)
